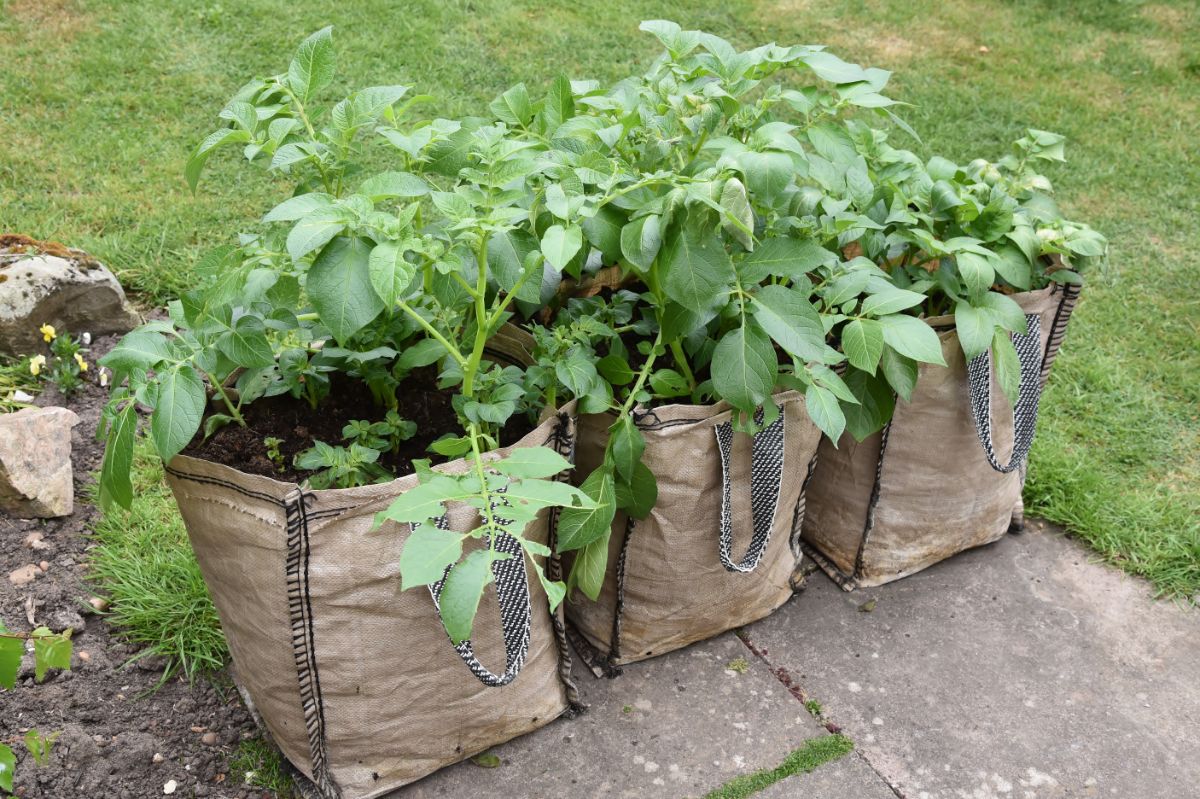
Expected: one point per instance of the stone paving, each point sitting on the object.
(1022, 670)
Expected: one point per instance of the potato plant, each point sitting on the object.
(50, 651)
(368, 276)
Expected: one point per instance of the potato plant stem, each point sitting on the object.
(433, 332)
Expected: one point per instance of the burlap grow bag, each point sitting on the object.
(946, 473)
(356, 680)
(720, 547)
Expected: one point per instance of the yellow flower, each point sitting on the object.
(36, 363)
(48, 332)
(82, 363)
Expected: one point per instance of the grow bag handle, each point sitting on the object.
(979, 374)
(766, 479)
(512, 589)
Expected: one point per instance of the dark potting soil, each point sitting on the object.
(111, 721)
(296, 425)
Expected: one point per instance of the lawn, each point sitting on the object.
(100, 103)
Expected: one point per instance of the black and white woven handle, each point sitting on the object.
(512, 589)
(766, 480)
(979, 374)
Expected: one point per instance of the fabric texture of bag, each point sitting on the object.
(719, 550)
(356, 680)
(946, 473)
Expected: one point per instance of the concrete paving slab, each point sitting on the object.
(675, 726)
(1022, 670)
(849, 777)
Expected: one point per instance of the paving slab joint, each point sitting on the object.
(784, 677)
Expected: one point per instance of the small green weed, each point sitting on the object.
(816, 752)
(258, 764)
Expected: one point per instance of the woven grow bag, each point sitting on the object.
(355, 680)
(679, 575)
(931, 483)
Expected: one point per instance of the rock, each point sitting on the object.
(99, 603)
(62, 619)
(44, 566)
(24, 575)
(169, 787)
(34, 541)
(209, 739)
(35, 462)
(41, 283)
(158, 758)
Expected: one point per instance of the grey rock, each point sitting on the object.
(76, 294)
(35, 462)
(66, 617)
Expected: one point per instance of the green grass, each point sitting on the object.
(14, 376)
(259, 764)
(101, 102)
(815, 753)
(144, 565)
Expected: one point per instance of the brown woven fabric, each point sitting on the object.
(871, 520)
(355, 679)
(674, 590)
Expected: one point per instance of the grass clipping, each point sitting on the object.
(145, 567)
(815, 753)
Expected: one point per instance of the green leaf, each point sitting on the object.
(604, 232)
(50, 651)
(559, 105)
(901, 373)
(825, 411)
(784, 257)
(393, 184)
(195, 164)
(975, 328)
(462, 590)
(390, 272)
(874, 407)
(829, 67)
(299, 207)
(892, 300)
(641, 240)
(587, 573)
(531, 462)
(699, 271)
(508, 252)
(178, 410)
(943, 197)
(340, 287)
(976, 272)
(312, 68)
(791, 320)
(1012, 265)
(627, 444)
(767, 174)
(1007, 365)
(426, 501)
(116, 486)
(576, 371)
(246, 344)
(8, 763)
(913, 338)
(11, 650)
(744, 368)
(513, 106)
(314, 231)
(427, 553)
(862, 341)
(1005, 311)
(486, 760)
(638, 496)
(739, 222)
(555, 590)
(578, 527)
(137, 350)
(560, 244)
(616, 370)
